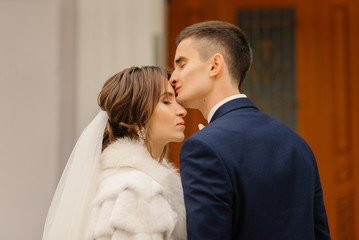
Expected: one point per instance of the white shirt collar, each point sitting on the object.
(218, 105)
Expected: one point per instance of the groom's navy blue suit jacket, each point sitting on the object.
(248, 176)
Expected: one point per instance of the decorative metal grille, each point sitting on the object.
(270, 83)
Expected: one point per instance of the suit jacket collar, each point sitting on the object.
(231, 106)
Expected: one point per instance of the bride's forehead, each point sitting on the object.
(167, 90)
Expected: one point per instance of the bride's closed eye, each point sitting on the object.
(167, 97)
(166, 101)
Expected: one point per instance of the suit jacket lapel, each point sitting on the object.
(233, 105)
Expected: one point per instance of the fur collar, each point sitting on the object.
(127, 153)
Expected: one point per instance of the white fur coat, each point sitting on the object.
(137, 197)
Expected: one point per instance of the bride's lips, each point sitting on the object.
(181, 124)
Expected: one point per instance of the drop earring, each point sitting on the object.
(142, 134)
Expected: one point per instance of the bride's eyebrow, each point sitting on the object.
(167, 94)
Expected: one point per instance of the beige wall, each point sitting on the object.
(29, 123)
(54, 57)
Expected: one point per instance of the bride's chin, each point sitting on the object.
(180, 139)
(177, 138)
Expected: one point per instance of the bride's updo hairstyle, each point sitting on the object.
(129, 98)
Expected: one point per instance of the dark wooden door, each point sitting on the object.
(326, 57)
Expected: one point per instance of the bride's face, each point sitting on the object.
(166, 123)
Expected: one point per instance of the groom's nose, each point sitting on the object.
(173, 79)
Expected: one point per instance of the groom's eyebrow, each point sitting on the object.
(179, 59)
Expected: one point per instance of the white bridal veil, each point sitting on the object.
(69, 208)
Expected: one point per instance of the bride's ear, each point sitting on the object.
(217, 63)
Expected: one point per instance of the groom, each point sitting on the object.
(245, 175)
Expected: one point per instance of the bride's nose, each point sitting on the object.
(181, 111)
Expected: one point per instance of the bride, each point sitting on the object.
(117, 183)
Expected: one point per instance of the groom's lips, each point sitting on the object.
(176, 90)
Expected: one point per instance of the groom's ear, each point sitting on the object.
(217, 63)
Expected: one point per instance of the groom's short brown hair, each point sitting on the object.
(221, 37)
